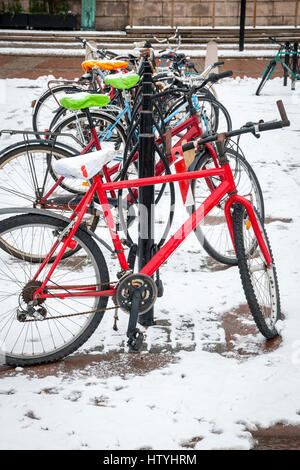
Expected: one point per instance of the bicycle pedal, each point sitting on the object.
(135, 342)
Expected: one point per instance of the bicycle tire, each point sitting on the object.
(265, 308)
(213, 234)
(41, 344)
(269, 70)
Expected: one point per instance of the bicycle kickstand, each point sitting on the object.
(135, 337)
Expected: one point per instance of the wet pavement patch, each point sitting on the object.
(243, 339)
(191, 443)
(277, 437)
(285, 220)
(96, 365)
(212, 265)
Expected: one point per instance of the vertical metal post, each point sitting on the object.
(172, 13)
(296, 13)
(254, 14)
(146, 169)
(131, 13)
(242, 24)
(213, 16)
(287, 62)
(294, 63)
(88, 14)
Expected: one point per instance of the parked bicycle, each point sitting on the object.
(288, 56)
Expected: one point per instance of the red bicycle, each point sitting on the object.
(48, 311)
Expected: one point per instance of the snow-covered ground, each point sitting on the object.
(208, 392)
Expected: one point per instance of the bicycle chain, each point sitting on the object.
(57, 317)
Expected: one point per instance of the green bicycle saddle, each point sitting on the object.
(122, 81)
(83, 100)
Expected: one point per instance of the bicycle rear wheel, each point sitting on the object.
(259, 282)
(27, 341)
(266, 75)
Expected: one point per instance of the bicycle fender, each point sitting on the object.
(29, 210)
(37, 142)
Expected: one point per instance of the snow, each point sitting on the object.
(199, 28)
(42, 52)
(203, 391)
(223, 53)
(36, 32)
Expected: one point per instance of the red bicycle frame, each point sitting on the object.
(226, 186)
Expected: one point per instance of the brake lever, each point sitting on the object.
(255, 125)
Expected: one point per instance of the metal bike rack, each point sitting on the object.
(142, 127)
(146, 169)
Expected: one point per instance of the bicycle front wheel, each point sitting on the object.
(266, 75)
(259, 281)
(63, 327)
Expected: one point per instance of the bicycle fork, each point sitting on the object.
(235, 198)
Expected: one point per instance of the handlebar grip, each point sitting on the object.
(188, 146)
(269, 126)
(218, 64)
(228, 73)
(284, 118)
(214, 77)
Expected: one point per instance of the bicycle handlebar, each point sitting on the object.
(213, 78)
(166, 41)
(103, 52)
(281, 44)
(175, 36)
(250, 127)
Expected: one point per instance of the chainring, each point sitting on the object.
(124, 291)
